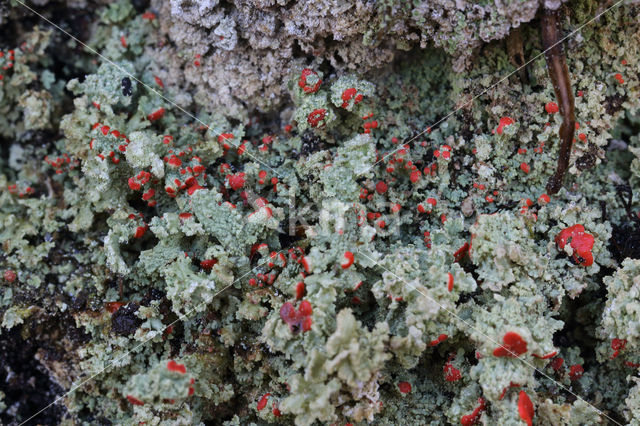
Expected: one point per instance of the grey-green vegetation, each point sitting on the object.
(235, 223)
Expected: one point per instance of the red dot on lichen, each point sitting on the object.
(504, 121)
(381, 187)
(551, 107)
(263, 401)
(302, 82)
(451, 374)
(316, 116)
(575, 372)
(474, 417)
(450, 283)
(133, 400)
(208, 263)
(9, 275)
(236, 181)
(156, 115)
(404, 387)
(525, 408)
(579, 241)
(140, 230)
(174, 366)
(300, 287)
(348, 260)
(112, 307)
(525, 167)
(513, 345)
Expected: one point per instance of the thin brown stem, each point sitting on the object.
(559, 74)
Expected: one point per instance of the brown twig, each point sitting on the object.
(559, 74)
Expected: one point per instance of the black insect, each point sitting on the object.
(126, 86)
(625, 238)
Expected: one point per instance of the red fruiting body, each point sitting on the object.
(174, 161)
(461, 252)
(543, 199)
(575, 372)
(224, 136)
(525, 408)
(441, 338)
(178, 368)
(504, 121)
(275, 410)
(316, 116)
(525, 167)
(546, 356)
(149, 194)
(347, 95)
(208, 263)
(381, 187)
(404, 387)
(302, 82)
(451, 374)
(263, 401)
(450, 283)
(474, 417)
(580, 242)
(619, 78)
(582, 137)
(556, 364)
(112, 307)
(159, 81)
(415, 176)
(305, 308)
(551, 107)
(133, 400)
(149, 16)
(140, 230)
(617, 345)
(236, 181)
(513, 346)
(156, 115)
(300, 290)
(348, 256)
(297, 320)
(9, 275)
